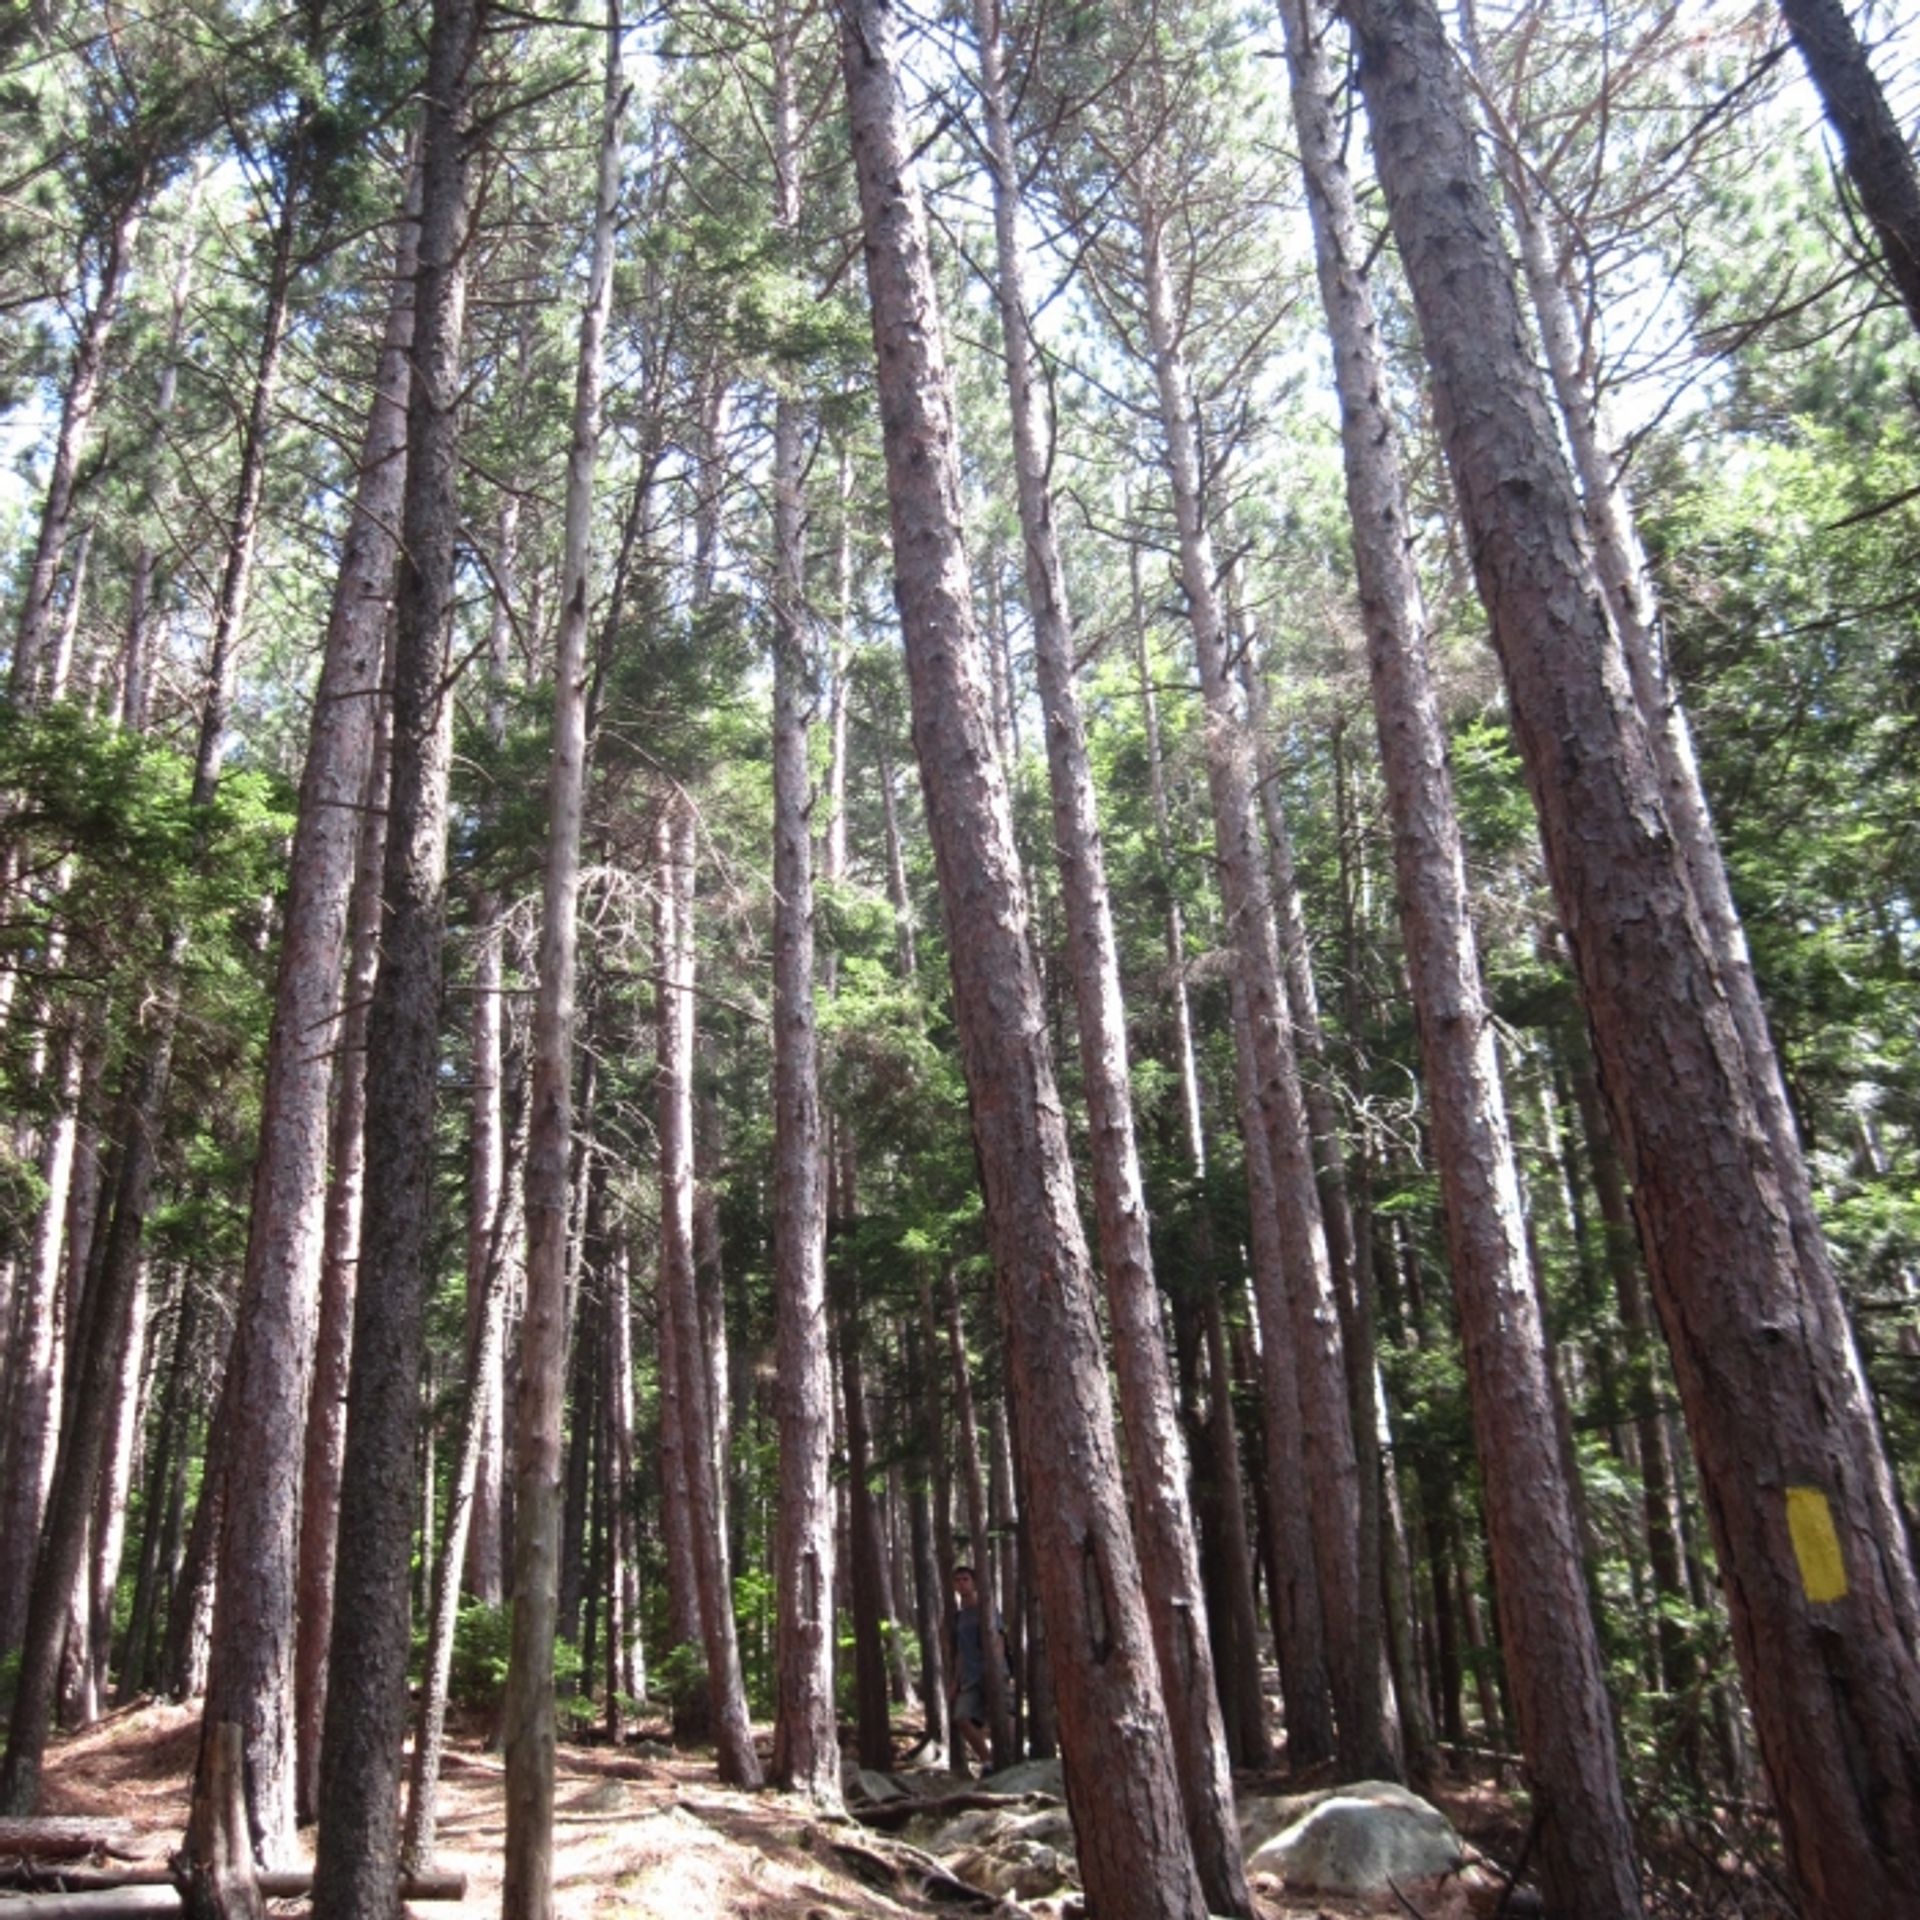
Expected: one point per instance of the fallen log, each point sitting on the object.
(65, 1838)
(150, 1898)
(19, 1876)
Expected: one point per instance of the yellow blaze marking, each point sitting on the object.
(1823, 1572)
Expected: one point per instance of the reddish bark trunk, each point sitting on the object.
(1134, 1855)
(1813, 1548)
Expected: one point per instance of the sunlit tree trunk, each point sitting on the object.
(1553, 1655)
(77, 406)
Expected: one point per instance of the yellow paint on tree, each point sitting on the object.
(1816, 1544)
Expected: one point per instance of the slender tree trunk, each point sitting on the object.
(33, 1357)
(1278, 1110)
(1156, 1455)
(973, 1490)
(484, 1364)
(1134, 1854)
(739, 1764)
(250, 1678)
(135, 675)
(1879, 160)
(339, 1260)
(623, 1592)
(76, 417)
(806, 1753)
(1812, 1543)
(1299, 1631)
(865, 1580)
(356, 1870)
(528, 1721)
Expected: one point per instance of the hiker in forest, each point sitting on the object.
(968, 1665)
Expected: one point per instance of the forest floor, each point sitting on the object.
(651, 1838)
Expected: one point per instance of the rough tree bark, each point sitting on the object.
(1553, 1654)
(1879, 161)
(356, 1869)
(1156, 1454)
(1134, 1854)
(1819, 1577)
(806, 1752)
(249, 1678)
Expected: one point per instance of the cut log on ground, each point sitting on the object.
(66, 1839)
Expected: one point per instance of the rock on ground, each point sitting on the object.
(1362, 1839)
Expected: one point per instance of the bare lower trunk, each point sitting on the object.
(250, 1679)
(1156, 1456)
(1134, 1853)
(1566, 1722)
(806, 1754)
(528, 1725)
(339, 1264)
(739, 1764)
(485, 1356)
(1278, 1109)
(356, 1872)
(1813, 1547)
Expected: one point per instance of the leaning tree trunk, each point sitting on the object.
(1553, 1654)
(250, 1677)
(1813, 1549)
(528, 1728)
(806, 1752)
(356, 1869)
(1156, 1455)
(739, 1764)
(1879, 161)
(1134, 1854)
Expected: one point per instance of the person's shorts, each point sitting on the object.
(970, 1704)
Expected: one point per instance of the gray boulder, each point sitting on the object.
(1362, 1839)
(864, 1787)
(1029, 1776)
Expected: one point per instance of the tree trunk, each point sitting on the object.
(1156, 1455)
(1566, 1723)
(1299, 1630)
(806, 1752)
(356, 1870)
(250, 1678)
(872, 1708)
(739, 1764)
(1134, 1855)
(1812, 1542)
(973, 1489)
(76, 416)
(484, 1364)
(1879, 161)
(1278, 1107)
(340, 1252)
(528, 1729)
